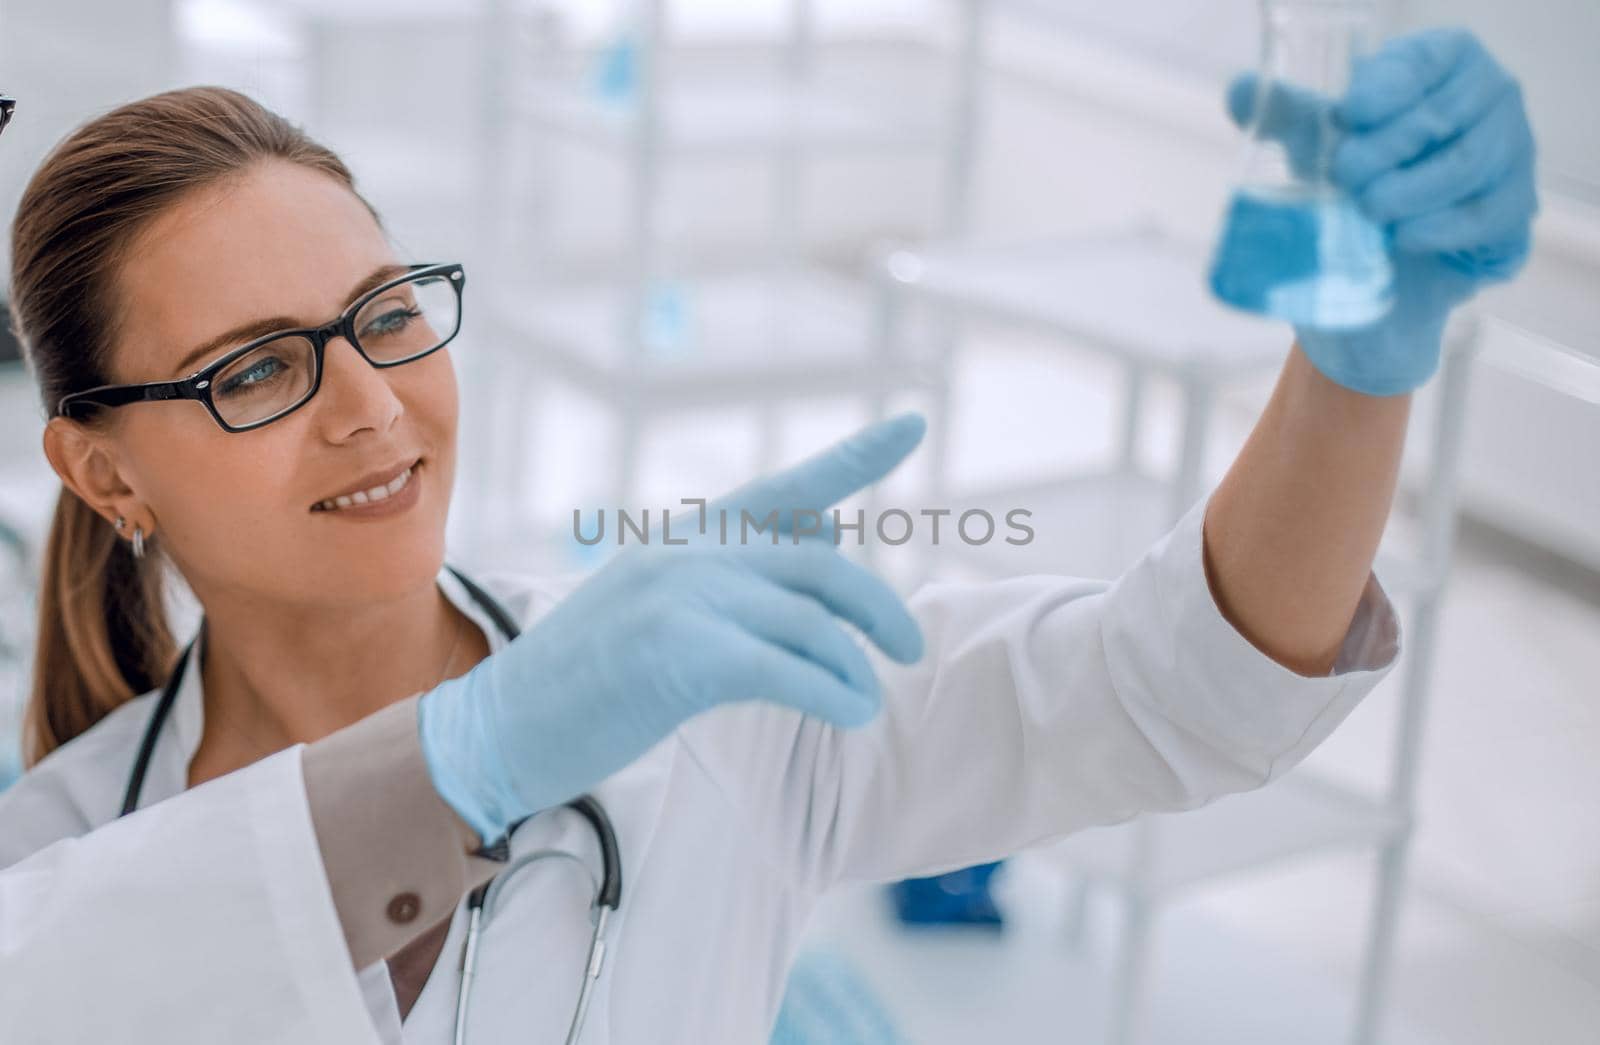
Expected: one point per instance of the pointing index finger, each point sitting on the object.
(830, 476)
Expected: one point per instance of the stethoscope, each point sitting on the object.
(480, 903)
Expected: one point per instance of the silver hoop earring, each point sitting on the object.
(138, 542)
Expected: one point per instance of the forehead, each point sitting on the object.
(280, 239)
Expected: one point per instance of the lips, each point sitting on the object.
(374, 486)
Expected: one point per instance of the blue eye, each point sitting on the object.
(394, 321)
(258, 374)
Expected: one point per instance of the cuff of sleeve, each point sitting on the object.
(1170, 647)
(396, 856)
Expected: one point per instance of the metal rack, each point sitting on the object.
(773, 331)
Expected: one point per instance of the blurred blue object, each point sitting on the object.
(617, 76)
(586, 556)
(10, 761)
(668, 330)
(957, 898)
(828, 1002)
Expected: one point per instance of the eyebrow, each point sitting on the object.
(262, 327)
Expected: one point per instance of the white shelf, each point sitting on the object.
(743, 114)
(750, 335)
(1298, 815)
(1099, 524)
(1138, 294)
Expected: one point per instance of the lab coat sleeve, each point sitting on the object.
(1042, 705)
(385, 834)
(203, 918)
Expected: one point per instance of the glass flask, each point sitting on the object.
(1293, 245)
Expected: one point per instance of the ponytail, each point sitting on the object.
(103, 638)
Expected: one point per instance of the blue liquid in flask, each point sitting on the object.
(1306, 255)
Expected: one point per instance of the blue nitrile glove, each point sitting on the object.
(1437, 150)
(661, 632)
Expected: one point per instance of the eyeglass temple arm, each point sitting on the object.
(119, 395)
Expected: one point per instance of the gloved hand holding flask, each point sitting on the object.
(1429, 147)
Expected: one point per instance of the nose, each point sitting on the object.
(355, 395)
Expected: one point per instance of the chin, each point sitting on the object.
(386, 570)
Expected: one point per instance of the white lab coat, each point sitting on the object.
(1043, 704)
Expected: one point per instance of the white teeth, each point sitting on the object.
(377, 493)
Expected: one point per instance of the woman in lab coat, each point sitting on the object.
(297, 866)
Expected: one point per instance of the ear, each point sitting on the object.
(86, 461)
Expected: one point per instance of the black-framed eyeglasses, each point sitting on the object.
(7, 107)
(399, 321)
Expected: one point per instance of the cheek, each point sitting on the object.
(447, 393)
(213, 493)
(434, 402)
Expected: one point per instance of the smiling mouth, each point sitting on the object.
(381, 492)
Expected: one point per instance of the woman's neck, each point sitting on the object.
(273, 678)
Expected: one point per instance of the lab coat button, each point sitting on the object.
(404, 908)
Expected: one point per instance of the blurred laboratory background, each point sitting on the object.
(707, 237)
